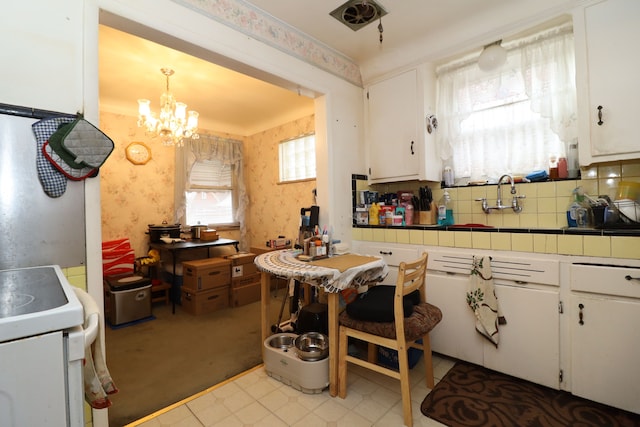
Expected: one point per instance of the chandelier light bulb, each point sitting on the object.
(174, 123)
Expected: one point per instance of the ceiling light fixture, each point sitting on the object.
(492, 57)
(174, 123)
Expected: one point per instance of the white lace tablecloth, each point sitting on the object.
(284, 263)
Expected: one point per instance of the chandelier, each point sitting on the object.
(174, 123)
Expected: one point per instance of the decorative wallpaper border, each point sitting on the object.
(248, 19)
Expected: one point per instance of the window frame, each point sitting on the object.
(282, 166)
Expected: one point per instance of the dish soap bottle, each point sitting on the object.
(576, 207)
(445, 209)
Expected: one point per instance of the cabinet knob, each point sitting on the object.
(412, 152)
(600, 122)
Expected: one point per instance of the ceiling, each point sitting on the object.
(231, 102)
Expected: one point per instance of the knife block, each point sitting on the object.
(428, 217)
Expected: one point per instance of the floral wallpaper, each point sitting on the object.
(274, 209)
(134, 196)
(248, 19)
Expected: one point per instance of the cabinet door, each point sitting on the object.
(529, 345)
(605, 350)
(456, 334)
(32, 382)
(611, 27)
(394, 143)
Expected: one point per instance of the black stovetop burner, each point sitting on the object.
(29, 290)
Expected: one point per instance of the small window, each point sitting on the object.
(298, 158)
(210, 198)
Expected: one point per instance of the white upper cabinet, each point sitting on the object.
(607, 64)
(399, 146)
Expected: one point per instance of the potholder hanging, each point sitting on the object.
(64, 168)
(81, 145)
(54, 183)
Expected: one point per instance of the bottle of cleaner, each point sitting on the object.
(374, 214)
(445, 209)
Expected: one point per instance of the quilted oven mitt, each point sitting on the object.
(54, 183)
(81, 145)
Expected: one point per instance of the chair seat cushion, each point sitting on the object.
(376, 305)
(423, 319)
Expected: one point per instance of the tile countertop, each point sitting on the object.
(486, 228)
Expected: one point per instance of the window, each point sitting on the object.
(298, 158)
(210, 193)
(514, 119)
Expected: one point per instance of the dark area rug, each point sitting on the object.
(470, 395)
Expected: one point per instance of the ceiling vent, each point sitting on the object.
(357, 14)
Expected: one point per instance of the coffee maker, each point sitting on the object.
(308, 223)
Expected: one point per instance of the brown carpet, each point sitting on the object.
(160, 362)
(470, 395)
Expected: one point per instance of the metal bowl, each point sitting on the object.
(281, 341)
(312, 346)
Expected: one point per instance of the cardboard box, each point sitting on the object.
(197, 303)
(204, 274)
(242, 264)
(243, 295)
(245, 281)
(241, 258)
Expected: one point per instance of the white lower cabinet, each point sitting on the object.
(585, 326)
(605, 335)
(529, 342)
(528, 294)
(455, 335)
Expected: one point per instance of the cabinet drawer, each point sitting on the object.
(606, 279)
(393, 256)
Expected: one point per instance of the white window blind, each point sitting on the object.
(298, 159)
(210, 197)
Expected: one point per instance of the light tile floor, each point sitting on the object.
(255, 399)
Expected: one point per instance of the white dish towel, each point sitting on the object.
(97, 379)
(482, 299)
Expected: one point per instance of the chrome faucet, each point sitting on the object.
(499, 206)
(513, 188)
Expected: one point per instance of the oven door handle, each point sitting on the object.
(91, 331)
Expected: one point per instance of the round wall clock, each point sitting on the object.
(138, 153)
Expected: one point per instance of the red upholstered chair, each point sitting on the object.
(399, 335)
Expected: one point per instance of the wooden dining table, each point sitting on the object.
(333, 274)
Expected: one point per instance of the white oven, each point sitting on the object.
(41, 349)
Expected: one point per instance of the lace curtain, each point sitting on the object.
(210, 147)
(513, 119)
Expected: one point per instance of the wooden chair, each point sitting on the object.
(397, 335)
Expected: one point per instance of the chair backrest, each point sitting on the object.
(411, 276)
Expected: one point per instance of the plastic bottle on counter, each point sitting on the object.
(563, 173)
(408, 214)
(573, 169)
(445, 209)
(374, 214)
(447, 176)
